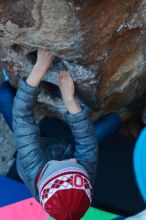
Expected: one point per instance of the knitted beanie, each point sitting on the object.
(66, 194)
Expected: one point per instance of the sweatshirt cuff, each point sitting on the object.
(30, 90)
(77, 117)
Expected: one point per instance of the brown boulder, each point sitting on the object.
(108, 36)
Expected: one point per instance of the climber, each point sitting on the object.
(59, 170)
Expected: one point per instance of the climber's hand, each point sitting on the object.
(67, 88)
(44, 61)
(66, 85)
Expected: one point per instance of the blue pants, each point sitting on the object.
(105, 127)
(7, 95)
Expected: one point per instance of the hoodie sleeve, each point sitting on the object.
(85, 141)
(31, 154)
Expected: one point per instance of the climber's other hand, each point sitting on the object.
(67, 88)
(66, 85)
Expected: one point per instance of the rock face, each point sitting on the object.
(107, 36)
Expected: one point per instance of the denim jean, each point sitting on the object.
(55, 128)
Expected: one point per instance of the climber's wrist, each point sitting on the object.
(73, 106)
(36, 75)
(40, 71)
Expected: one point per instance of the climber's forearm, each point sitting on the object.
(36, 75)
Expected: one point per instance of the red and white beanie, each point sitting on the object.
(66, 195)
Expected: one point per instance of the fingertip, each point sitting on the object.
(67, 73)
(58, 76)
(63, 74)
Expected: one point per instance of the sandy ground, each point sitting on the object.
(7, 147)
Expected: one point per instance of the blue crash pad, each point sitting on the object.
(12, 191)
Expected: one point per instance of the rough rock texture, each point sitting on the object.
(7, 147)
(108, 36)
